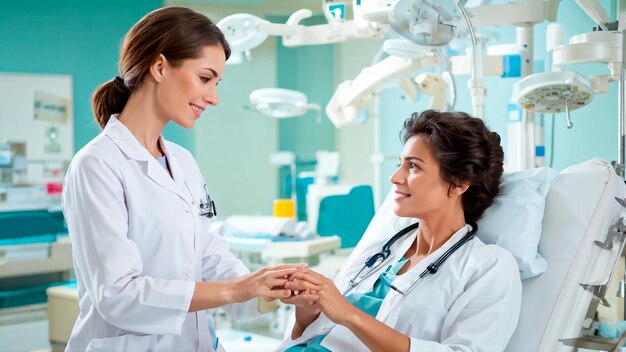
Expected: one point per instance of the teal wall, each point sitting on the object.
(73, 37)
(234, 142)
(308, 69)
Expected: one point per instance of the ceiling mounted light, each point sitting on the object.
(242, 34)
(553, 92)
(281, 103)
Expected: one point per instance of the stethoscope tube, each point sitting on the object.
(385, 253)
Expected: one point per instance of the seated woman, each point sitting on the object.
(436, 287)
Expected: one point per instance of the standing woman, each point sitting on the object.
(137, 207)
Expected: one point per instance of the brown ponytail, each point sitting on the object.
(176, 32)
(108, 99)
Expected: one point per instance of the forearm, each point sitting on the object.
(374, 334)
(303, 320)
(207, 295)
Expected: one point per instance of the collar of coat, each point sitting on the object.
(130, 146)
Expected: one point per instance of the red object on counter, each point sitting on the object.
(54, 187)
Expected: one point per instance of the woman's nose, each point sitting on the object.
(211, 97)
(397, 177)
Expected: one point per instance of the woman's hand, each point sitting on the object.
(305, 300)
(374, 334)
(307, 308)
(267, 283)
(329, 299)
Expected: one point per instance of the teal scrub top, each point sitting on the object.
(369, 302)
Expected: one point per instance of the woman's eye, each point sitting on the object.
(412, 166)
(205, 79)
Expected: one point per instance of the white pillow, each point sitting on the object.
(514, 219)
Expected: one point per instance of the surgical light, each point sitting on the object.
(242, 34)
(281, 103)
(405, 48)
(425, 22)
(553, 92)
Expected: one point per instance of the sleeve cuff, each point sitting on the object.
(189, 290)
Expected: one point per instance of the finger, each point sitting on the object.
(262, 270)
(286, 266)
(290, 276)
(279, 294)
(277, 283)
(298, 285)
(300, 300)
(315, 274)
(301, 285)
(309, 276)
(276, 274)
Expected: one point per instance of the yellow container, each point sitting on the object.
(284, 208)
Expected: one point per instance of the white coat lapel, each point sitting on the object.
(159, 175)
(178, 172)
(129, 145)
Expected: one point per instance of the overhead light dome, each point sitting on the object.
(281, 103)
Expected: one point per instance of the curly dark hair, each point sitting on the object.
(467, 152)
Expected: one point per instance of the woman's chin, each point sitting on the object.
(187, 124)
(400, 212)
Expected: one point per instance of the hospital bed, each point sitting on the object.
(582, 239)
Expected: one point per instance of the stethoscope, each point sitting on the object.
(207, 206)
(372, 263)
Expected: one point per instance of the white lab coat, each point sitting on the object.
(139, 245)
(471, 304)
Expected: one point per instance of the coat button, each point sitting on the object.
(188, 274)
(186, 210)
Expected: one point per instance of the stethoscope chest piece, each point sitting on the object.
(207, 207)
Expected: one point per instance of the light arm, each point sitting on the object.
(355, 94)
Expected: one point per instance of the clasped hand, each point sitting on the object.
(313, 293)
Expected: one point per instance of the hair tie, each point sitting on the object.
(119, 82)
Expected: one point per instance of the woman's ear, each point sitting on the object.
(458, 189)
(158, 67)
